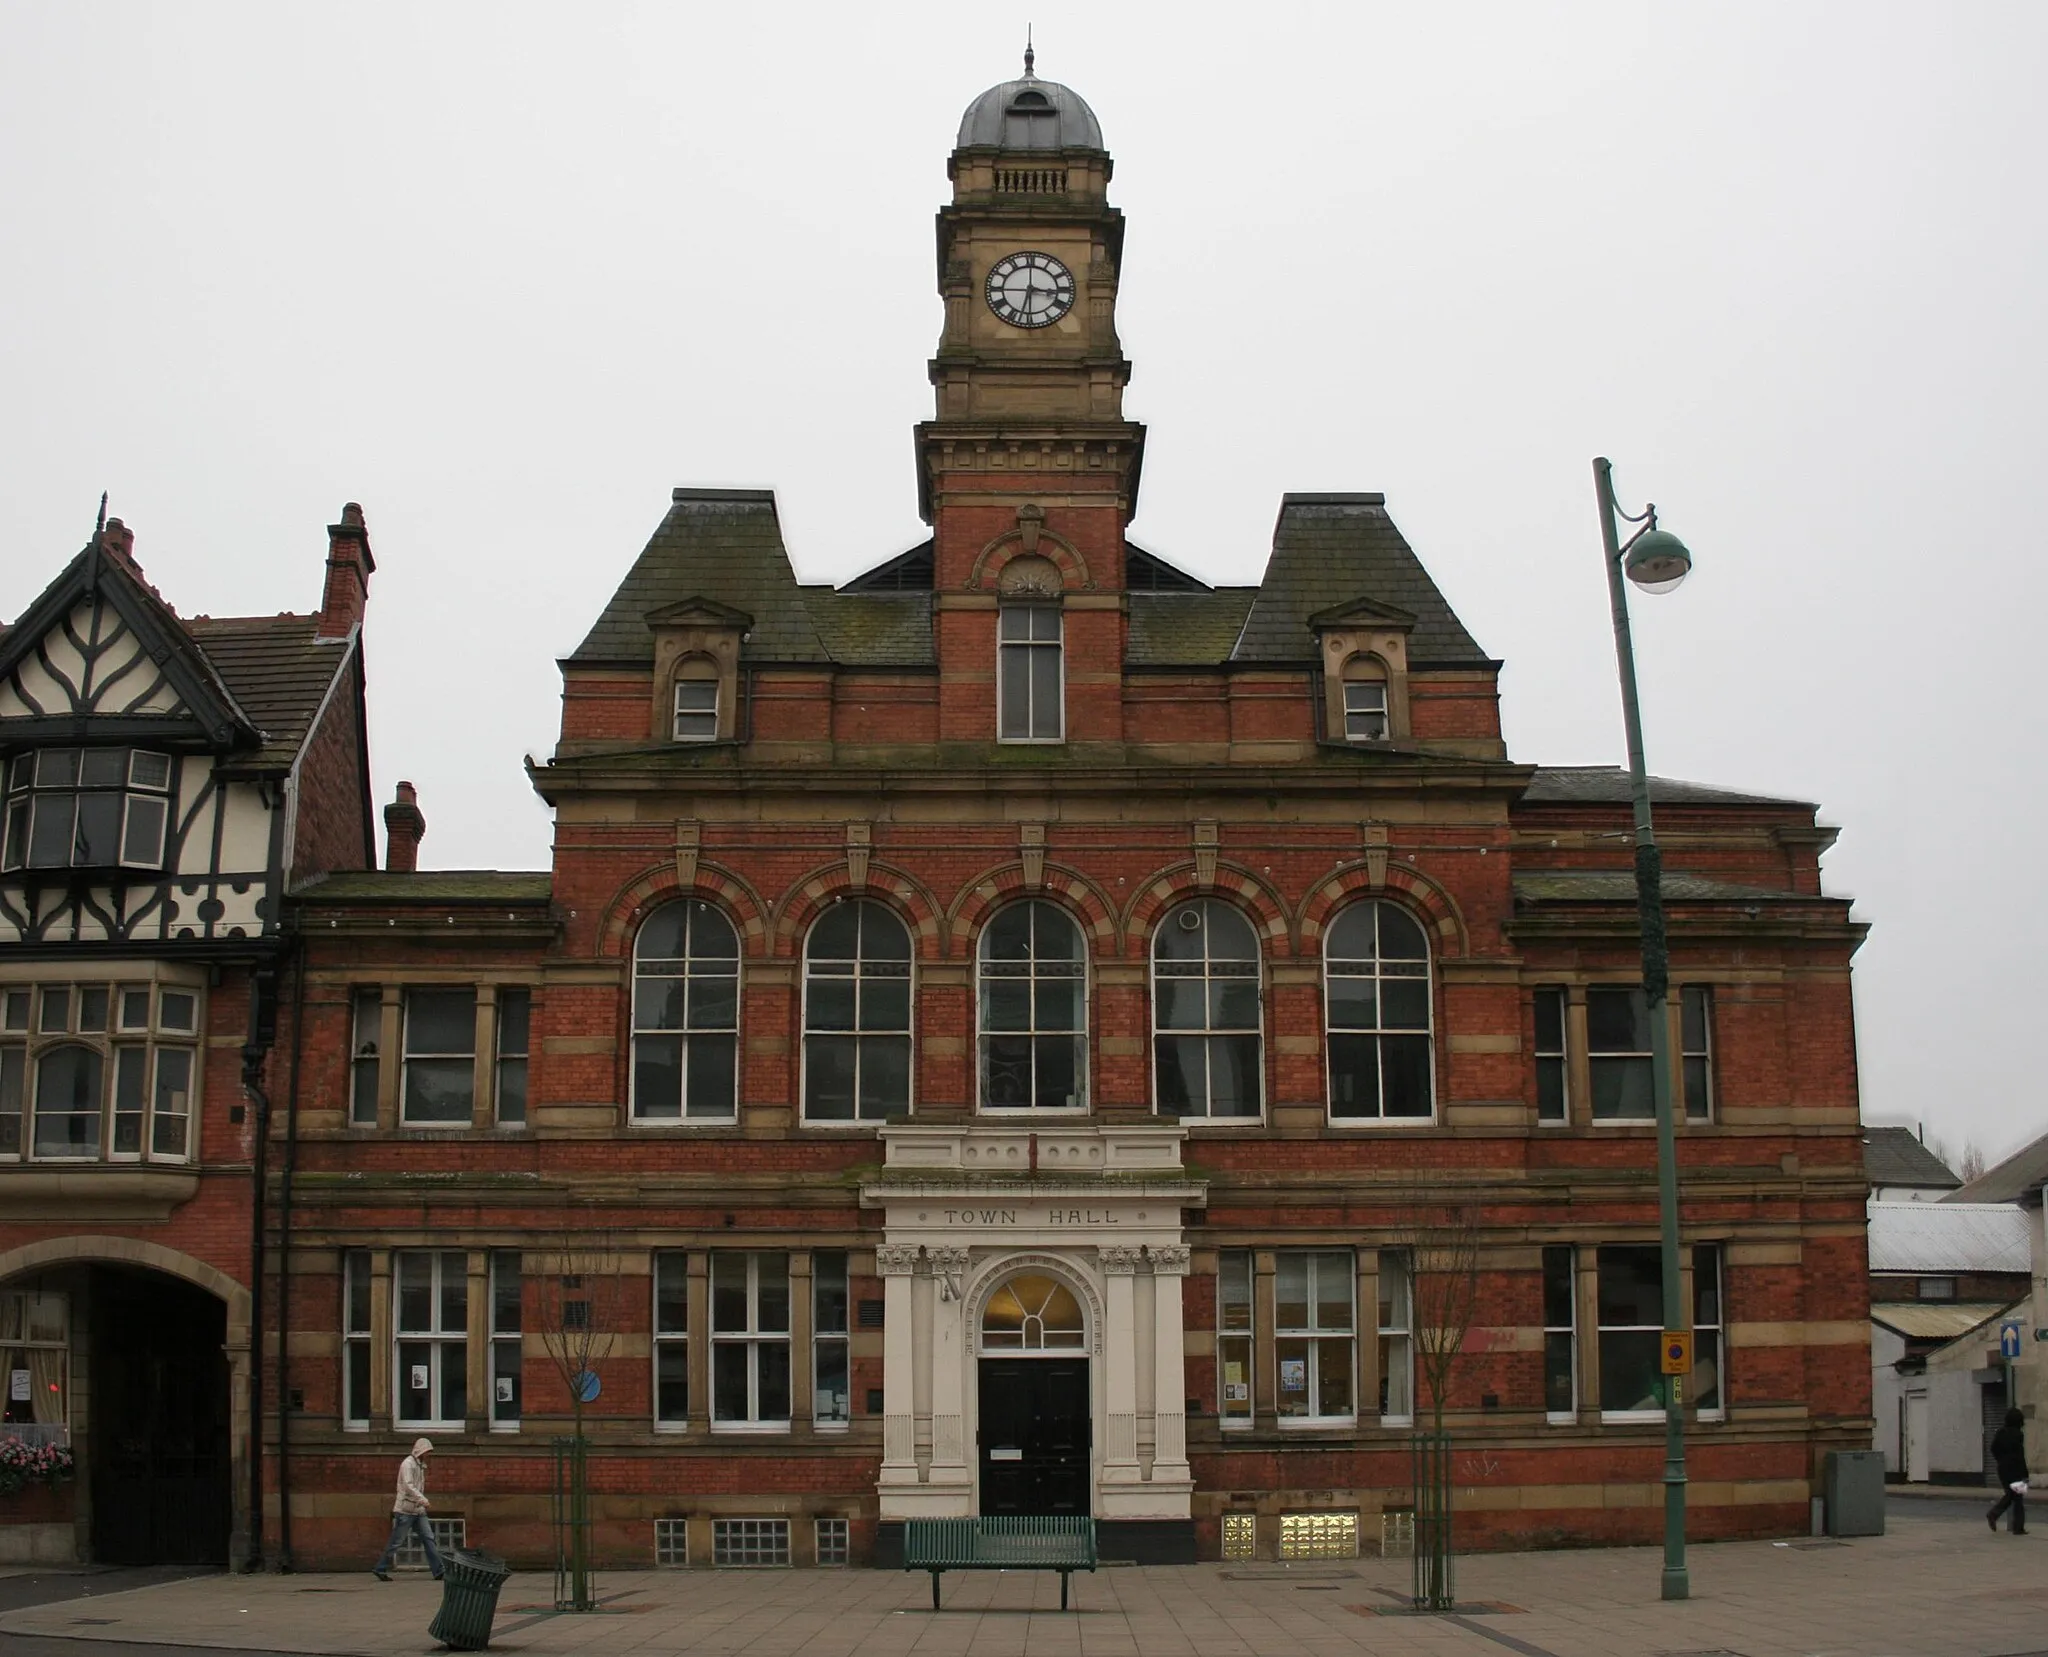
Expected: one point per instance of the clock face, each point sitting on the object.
(1030, 290)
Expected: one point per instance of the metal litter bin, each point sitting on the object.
(1854, 1481)
(469, 1599)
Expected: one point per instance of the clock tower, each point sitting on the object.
(1028, 471)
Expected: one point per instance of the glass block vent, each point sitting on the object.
(749, 1543)
(1318, 1536)
(1397, 1535)
(835, 1542)
(448, 1533)
(672, 1542)
(1240, 1536)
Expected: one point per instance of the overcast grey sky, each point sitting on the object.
(506, 273)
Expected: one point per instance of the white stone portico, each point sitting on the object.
(1096, 1208)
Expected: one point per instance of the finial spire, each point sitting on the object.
(1030, 57)
(99, 536)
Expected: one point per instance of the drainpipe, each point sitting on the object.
(262, 1035)
(284, 1258)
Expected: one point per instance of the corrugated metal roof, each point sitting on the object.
(1920, 1320)
(1948, 1237)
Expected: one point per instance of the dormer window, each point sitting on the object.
(1029, 677)
(1031, 123)
(1365, 710)
(696, 710)
(87, 808)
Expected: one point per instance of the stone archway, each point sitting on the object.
(157, 1360)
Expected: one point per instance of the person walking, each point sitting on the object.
(409, 1513)
(2009, 1456)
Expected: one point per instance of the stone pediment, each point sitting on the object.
(698, 611)
(1363, 612)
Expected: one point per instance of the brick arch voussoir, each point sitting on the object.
(988, 565)
(1234, 884)
(895, 889)
(131, 1251)
(637, 900)
(1069, 888)
(1428, 900)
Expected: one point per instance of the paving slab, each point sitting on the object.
(1937, 1585)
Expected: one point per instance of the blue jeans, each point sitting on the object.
(417, 1524)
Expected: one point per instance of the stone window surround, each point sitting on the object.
(390, 1037)
(1578, 1070)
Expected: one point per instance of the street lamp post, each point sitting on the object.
(1656, 561)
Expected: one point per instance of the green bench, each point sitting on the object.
(1035, 1543)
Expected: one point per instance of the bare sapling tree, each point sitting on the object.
(579, 1305)
(1441, 1237)
(1439, 1234)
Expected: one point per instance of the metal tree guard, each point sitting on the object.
(571, 1514)
(1430, 1461)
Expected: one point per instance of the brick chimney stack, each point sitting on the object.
(348, 576)
(119, 539)
(405, 825)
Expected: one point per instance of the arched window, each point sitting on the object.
(1205, 1011)
(1376, 973)
(1034, 1020)
(686, 1015)
(1365, 700)
(1031, 1313)
(856, 1015)
(70, 1082)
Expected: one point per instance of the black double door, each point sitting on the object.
(159, 1433)
(1034, 1435)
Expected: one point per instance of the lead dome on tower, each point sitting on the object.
(1030, 114)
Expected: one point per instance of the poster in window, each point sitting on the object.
(17, 1386)
(419, 1377)
(1294, 1374)
(504, 1389)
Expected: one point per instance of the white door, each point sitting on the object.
(1916, 1437)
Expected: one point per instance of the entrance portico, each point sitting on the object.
(1091, 1211)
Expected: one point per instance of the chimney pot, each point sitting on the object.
(405, 825)
(119, 539)
(349, 564)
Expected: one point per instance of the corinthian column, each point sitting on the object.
(899, 1422)
(1120, 1353)
(1169, 1366)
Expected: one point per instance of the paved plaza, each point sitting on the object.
(1937, 1584)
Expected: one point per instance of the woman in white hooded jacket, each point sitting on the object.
(409, 1513)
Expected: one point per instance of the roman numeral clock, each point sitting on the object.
(1030, 290)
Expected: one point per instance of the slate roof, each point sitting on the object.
(438, 886)
(1948, 1237)
(276, 669)
(1329, 549)
(1178, 629)
(1895, 1156)
(723, 544)
(1619, 886)
(874, 629)
(1609, 785)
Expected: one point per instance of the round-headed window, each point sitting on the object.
(1033, 1313)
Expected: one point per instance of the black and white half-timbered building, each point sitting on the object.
(163, 781)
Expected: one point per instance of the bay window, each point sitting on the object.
(98, 1072)
(86, 808)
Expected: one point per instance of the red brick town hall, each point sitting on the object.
(997, 1036)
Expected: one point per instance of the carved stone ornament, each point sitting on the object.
(950, 1260)
(1031, 850)
(1376, 855)
(1205, 854)
(896, 1260)
(859, 841)
(1169, 1259)
(1118, 1260)
(689, 841)
(1030, 520)
(1030, 575)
